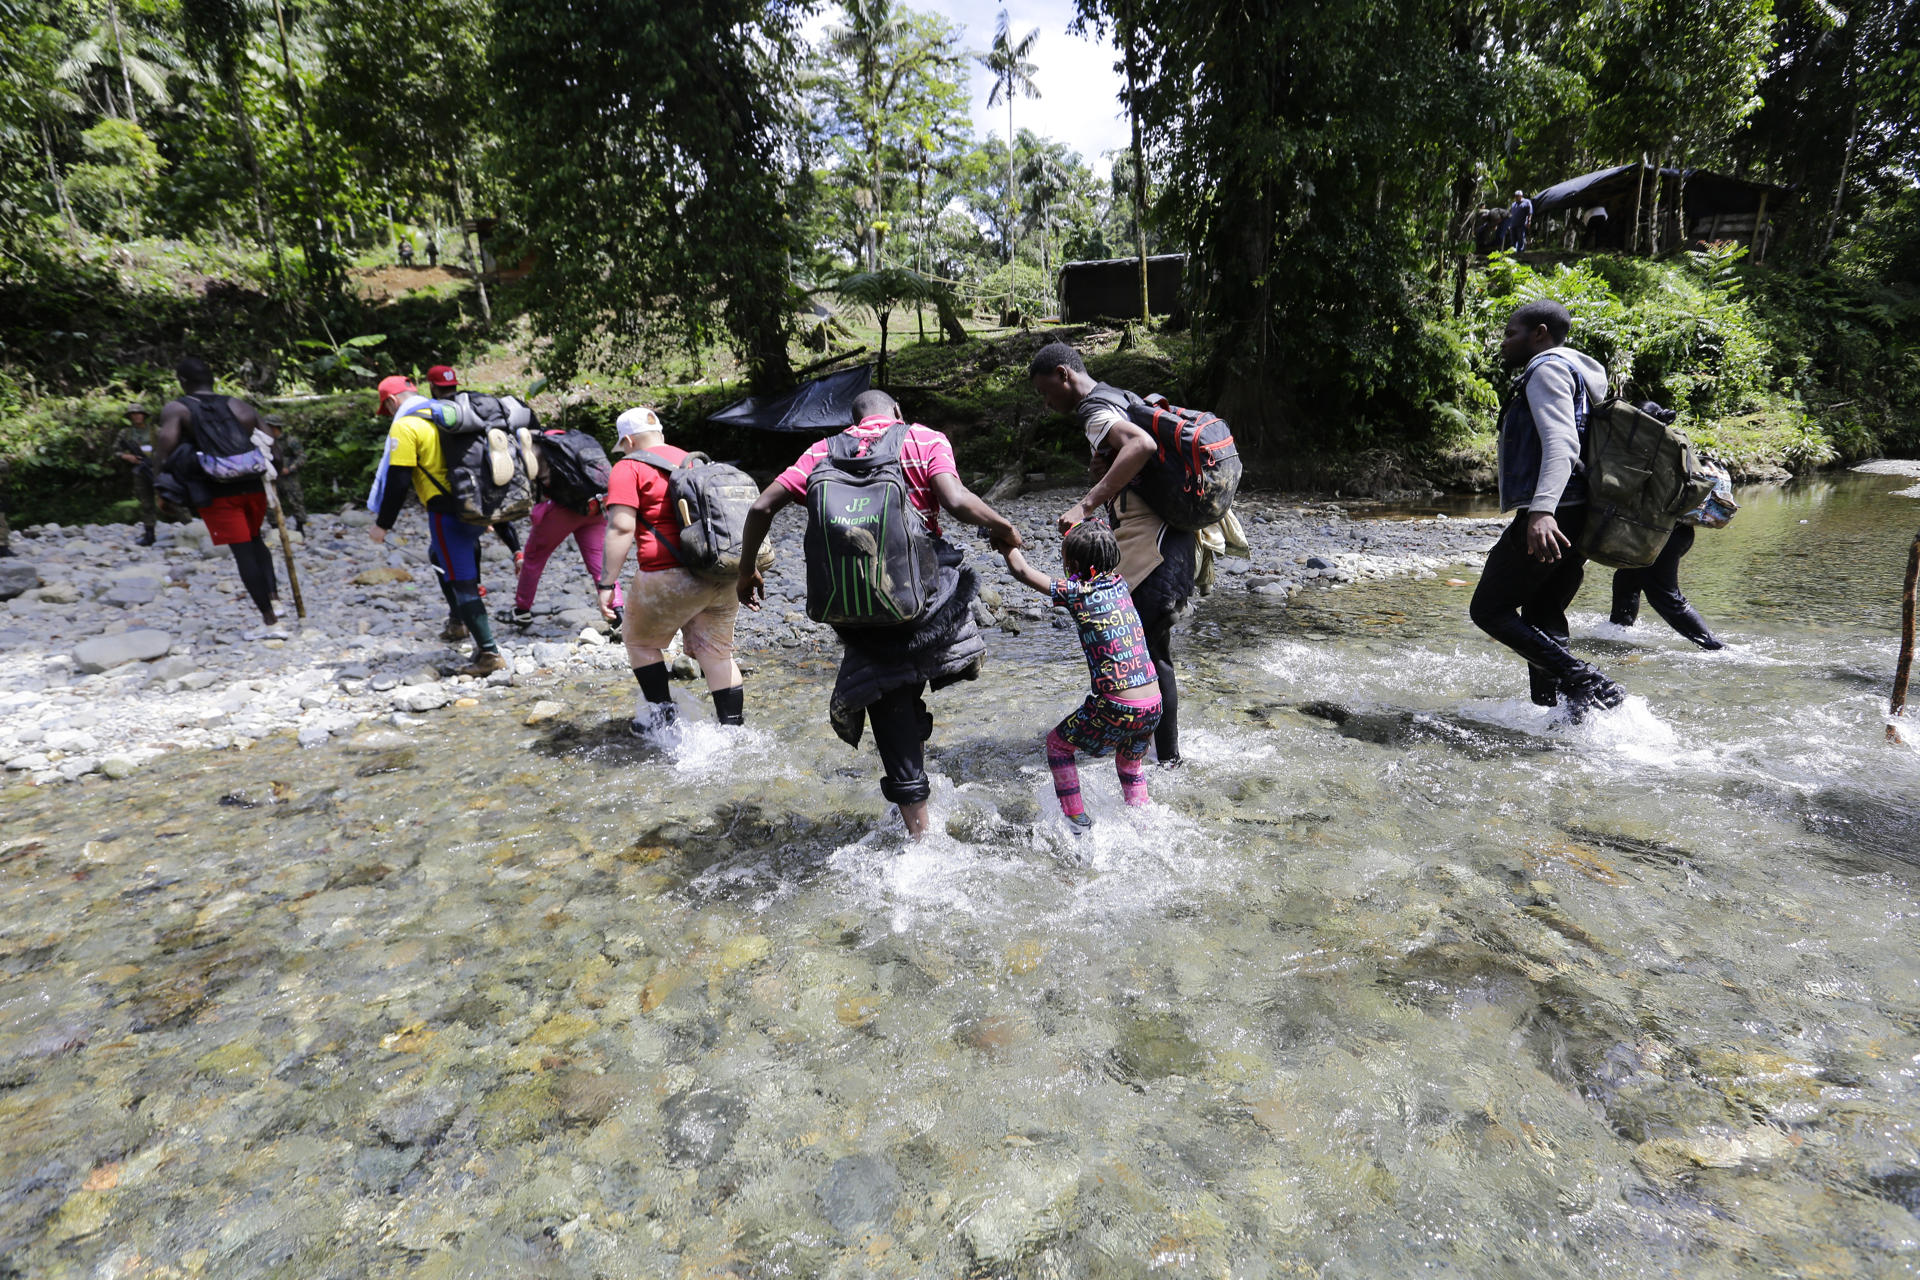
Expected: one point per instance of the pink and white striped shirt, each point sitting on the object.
(924, 454)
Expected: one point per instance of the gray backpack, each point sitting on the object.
(709, 500)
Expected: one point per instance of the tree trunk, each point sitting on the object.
(1840, 187)
(1639, 201)
(1139, 175)
(120, 52)
(466, 245)
(250, 156)
(883, 349)
(319, 256)
(1012, 211)
(59, 184)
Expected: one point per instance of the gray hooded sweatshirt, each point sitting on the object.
(1540, 431)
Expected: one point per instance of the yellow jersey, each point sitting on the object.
(416, 444)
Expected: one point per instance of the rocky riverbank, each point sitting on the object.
(112, 654)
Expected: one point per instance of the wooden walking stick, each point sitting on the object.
(265, 443)
(1897, 707)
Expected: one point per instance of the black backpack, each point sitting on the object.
(870, 558)
(709, 500)
(488, 443)
(576, 470)
(223, 450)
(1191, 480)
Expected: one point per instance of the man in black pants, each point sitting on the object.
(1661, 583)
(885, 671)
(1533, 571)
(213, 424)
(1156, 559)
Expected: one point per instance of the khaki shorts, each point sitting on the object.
(663, 601)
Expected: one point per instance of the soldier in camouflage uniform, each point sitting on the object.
(289, 456)
(133, 448)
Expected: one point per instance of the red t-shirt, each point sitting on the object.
(643, 487)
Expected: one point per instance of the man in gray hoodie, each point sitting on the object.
(1533, 571)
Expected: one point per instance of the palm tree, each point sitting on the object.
(1008, 61)
(1046, 177)
(869, 39)
(142, 59)
(879, 292)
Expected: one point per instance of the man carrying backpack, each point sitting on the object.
(1533, 571)
(205, 444)
(416, 457)
(1156, 559)
(444, 384)
(665, 597)
(886, 668)
(573, 476)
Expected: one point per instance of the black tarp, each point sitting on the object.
(1109, 288)
(1707, 194)
(823, 405)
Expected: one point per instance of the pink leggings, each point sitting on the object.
(1066, 776)
(551, 525)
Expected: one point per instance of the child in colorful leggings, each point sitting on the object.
(1120, 714)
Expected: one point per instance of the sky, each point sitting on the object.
(1080, 91)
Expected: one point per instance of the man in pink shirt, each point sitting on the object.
(885, 671)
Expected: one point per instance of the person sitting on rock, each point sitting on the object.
(664, 597)
(885, 670)
(233, 510)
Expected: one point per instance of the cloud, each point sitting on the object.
(1080, 90)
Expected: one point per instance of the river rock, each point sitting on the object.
(860, 1191)
(544, 710)
(128, 594)
(17, 578)
(421, 697)
(173, 667)
(417, 1116)
(103, 653)
(119, 766)
(701, 1125)
(547, 654)
(380, 577)
(1320, 562)
(57, 593)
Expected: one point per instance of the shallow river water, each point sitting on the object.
(1416, 983)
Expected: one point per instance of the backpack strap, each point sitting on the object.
(653, 459)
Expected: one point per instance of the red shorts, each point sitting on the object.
(234, 518)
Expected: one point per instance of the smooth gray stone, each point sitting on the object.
(701, 1126)
(103, 653)
(860, 1191)
(17, 576)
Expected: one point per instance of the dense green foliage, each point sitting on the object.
(635, 194)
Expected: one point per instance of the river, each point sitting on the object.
(1412, 981)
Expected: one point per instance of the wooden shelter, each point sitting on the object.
(1109, 288)
(1598, 210)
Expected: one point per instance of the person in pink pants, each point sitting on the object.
(552, 524)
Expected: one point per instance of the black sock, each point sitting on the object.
(730, 705)
(653, 682)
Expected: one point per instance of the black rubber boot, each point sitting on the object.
(1688, 622)
(1626, 604)
(145, 539)
(1542, 686)
(1580, 685)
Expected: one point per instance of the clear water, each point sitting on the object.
(1446, 989)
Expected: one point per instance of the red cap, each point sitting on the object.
(395, 386)
(442, 375)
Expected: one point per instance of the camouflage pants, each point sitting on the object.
(293, 502)
(5, 533)
(143, 494)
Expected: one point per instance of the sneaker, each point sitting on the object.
(1079, 823)
(519, 558)
(454, 632)
(484, 664)
(518, 617)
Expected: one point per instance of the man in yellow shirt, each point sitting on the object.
(454, 545)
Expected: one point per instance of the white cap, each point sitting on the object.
(638, 421)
